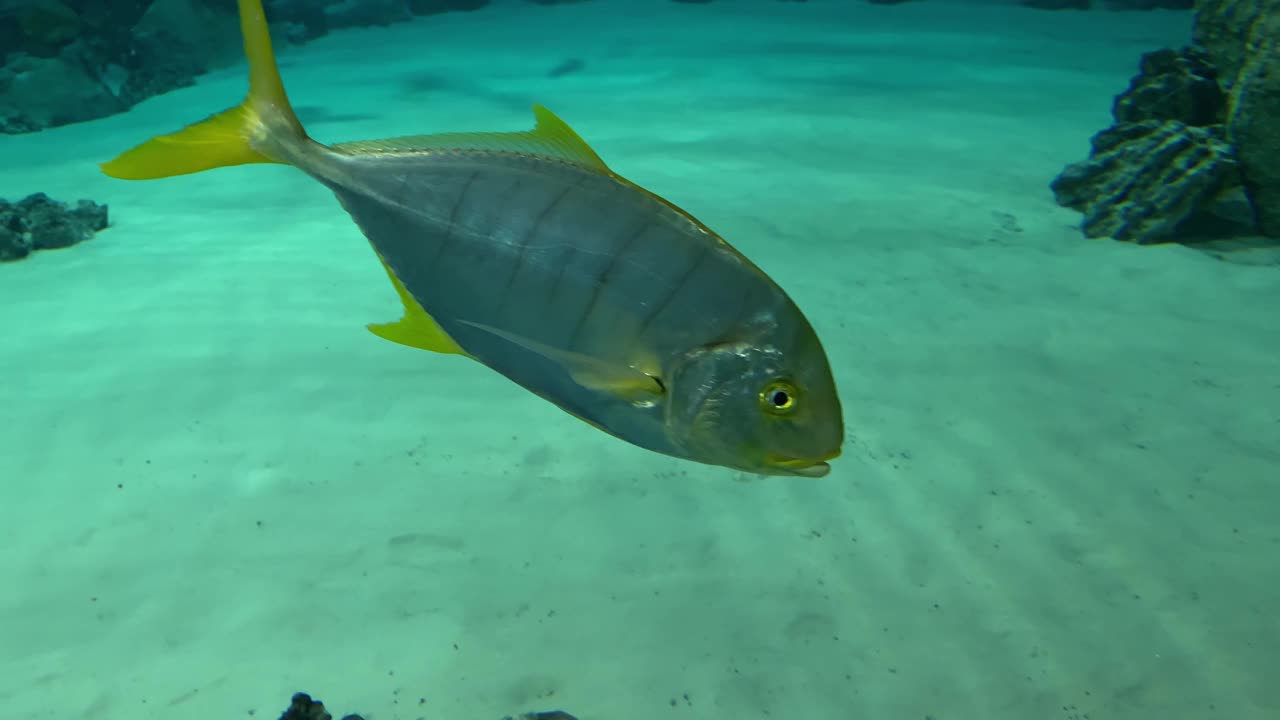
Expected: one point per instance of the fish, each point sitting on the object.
(525, 252)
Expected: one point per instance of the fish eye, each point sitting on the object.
(779, 397)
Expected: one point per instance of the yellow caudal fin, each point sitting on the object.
(244, 134)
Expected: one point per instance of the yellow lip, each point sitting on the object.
(802, 466)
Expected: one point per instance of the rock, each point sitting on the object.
(125, 53)
(1195, 126)
(1173, 85)
(302, 707)
(1057, 4)
(1148, 4)
(38, 92)
(1166, 161)
(13, 246)
(45, 27)
(1143, 180)
(39, 223)
(1109, 4)
(207, 32)
(434, 7)
(365, 13)
(1242, 40)
(1221, 29)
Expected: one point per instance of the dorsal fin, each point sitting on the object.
(551, 137)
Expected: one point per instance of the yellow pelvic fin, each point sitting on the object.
(233, 137)
(416, 329)
(623, 381)
(551, 137)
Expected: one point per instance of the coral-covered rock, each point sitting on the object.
(1195, 126)
(1057, 4)
(1109, 4)
(365, 13)
(1173, 85)
(13, 244)
(106, 58)
(435, 7)
(39, 223)
(38, 92)
(1166, 161)
(1148, 4)
(45, 26)
(1243, 39)
(1143, 180)
(303, 707)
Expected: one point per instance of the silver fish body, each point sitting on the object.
(564, 256)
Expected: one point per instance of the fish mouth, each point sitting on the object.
(816, 470)
(801, 466)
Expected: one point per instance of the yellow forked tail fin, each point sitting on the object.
(241, 135)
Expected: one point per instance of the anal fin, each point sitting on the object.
(416, 329)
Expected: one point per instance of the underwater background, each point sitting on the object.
(1058, 363)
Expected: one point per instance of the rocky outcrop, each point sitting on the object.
(38, 223)
(1166, 160)
(1109, 4)
(1195, 129)
(1242, 39)
(1173, 85)
(72, 60)
(1182, 170)
(303, 707)
(66, 61)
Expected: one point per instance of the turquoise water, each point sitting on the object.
(1057, 497)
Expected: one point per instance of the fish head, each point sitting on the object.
(760, 407)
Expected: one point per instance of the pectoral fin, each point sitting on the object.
(624, 381)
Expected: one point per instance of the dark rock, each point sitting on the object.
(1222, 29)
(39, 223)
(1173, 85)
(13, 245)
(1194, 127)
(303, 707)
(1057, 4)
(365, 13)
(1243, 39)
(1109, 4)
(127, 51)
(45, 26)
(1148, 4)
(38, 92)
(91, 215)
(1143, 180)
(434, 7)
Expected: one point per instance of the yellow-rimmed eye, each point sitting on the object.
(779, 397)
